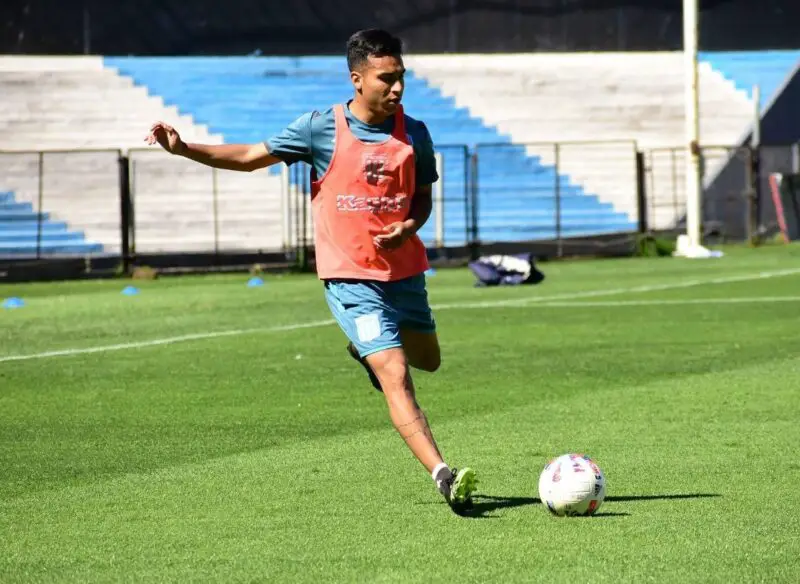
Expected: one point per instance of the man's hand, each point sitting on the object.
(167, 137)
(241, 157)
(395, 234)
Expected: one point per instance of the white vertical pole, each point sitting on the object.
(438, 201)
(286, 208)
(693, 178)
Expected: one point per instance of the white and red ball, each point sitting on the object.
(572, 485)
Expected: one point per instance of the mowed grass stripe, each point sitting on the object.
(355, 507)
(478, 305)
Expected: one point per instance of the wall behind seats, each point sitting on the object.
(177, 27)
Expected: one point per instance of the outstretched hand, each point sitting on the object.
(394, 235)
(167, 137)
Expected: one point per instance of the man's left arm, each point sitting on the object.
(422, 202)
(425, 162)
(421, 207)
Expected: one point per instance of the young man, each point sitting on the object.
(373, 168)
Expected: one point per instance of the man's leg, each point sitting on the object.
(391, 368)
(422, 349)
(365, 313)
(417, 326)
(373, 379)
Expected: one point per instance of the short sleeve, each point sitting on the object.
(293, 144)
(425, 160)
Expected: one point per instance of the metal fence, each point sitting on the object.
(454, 220)
(143, 203)
(146, 203)
(60, 203)
(735, 200)
(182, 207)
(665, 181)
(557, 191)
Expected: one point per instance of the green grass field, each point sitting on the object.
(196, 432)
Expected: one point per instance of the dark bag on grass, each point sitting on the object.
(505, 270)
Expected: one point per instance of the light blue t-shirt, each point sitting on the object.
(310, 139)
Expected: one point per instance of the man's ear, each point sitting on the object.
(357, 79)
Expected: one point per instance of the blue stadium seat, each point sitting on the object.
(768, 69)
(20, 229)
(248, 99)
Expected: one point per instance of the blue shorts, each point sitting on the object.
(372, 313)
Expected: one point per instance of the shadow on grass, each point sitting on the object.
(484, 504)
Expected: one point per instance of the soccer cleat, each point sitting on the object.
(459, 489)
(372, 377)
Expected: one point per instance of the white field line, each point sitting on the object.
(618, 291)
(553, 300)
(665, 302)
(166, 341)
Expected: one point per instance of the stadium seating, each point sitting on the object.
(767, 69)
(250, 99)
(60, 104)
(614, 96)
(514, 106)
(621, 100)
(26, 232)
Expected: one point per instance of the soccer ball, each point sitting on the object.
(572, 485)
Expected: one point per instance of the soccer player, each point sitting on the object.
(372, 171)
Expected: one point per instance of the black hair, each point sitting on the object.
(372, 42)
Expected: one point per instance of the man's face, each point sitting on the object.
(381, 82)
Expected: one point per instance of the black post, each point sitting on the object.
(757, 189)
(474, 243)
(126, 217)
(467, 193)
(294, 179)
(649, 168)
(215, 207)
(559, 242)
(675, 205)
(306, 194)
(750, 193)
(641, 192)
(39, 214)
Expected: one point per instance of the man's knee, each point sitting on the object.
(391, 367)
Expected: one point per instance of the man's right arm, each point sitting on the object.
(241, 157)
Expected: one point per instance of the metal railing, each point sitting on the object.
(735, 202)
(560, 191)
(145, 202)
(60, 203)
